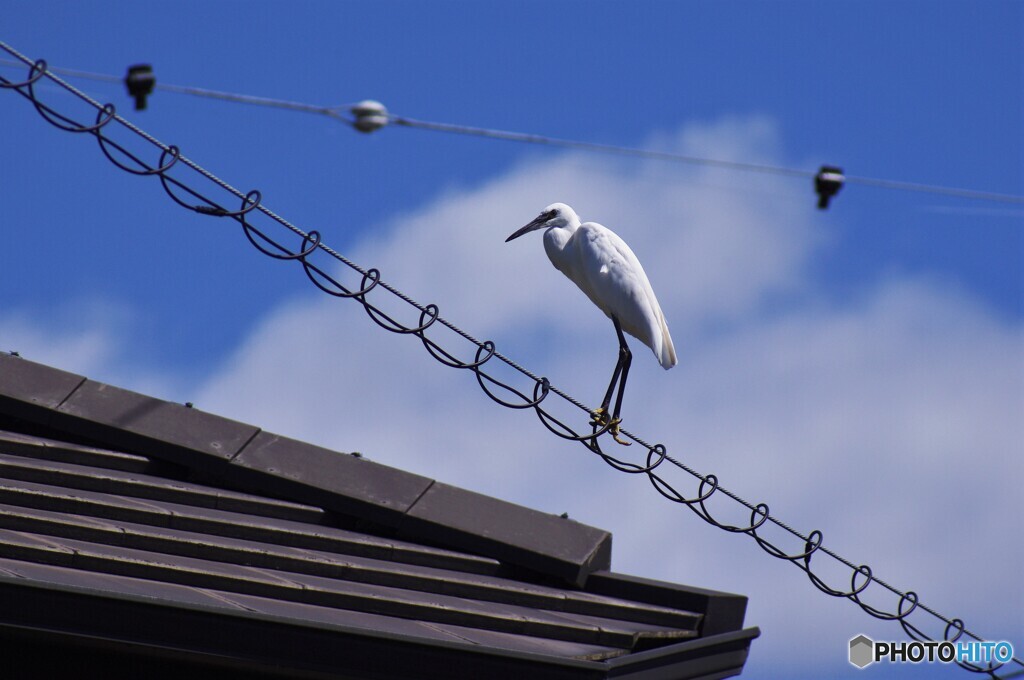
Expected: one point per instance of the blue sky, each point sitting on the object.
(856, 367)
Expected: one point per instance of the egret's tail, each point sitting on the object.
(667, 354)
(667, 358)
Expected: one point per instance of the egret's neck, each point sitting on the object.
(555, 241)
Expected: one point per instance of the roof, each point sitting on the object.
(138, 531)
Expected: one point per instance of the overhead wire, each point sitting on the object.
(194, 91)
(338, 113)
(311, 244)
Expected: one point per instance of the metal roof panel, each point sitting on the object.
(547, 543)
(131, 420)
(236, 525)
(140, 485)
(26, 385)
(336, 481)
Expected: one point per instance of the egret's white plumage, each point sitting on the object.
(606, 269)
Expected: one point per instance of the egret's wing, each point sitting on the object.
(610, 274)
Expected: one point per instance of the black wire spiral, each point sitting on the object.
(535, 394)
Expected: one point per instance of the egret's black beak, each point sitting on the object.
(538, 222)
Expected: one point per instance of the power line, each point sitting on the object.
(384, 117)
(195, 91)
(533, 397)
(694, 160)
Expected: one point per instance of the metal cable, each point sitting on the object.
(338, 113)
(694, 160)
(533, 394)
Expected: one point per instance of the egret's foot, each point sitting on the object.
(614, 429)
(601, 418)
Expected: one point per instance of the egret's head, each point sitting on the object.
(555, 215)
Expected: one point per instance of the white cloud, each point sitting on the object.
(88, 349)
(88, 337)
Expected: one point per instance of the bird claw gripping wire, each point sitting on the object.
(601, 419)
(499, 391)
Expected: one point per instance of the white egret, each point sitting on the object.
(605, 268)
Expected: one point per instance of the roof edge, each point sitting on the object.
(722, 655)
(723, 612)
(78, 608)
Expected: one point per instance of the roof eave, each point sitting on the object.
(75, 617)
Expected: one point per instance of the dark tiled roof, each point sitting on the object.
(133, 527)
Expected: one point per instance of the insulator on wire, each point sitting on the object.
(827, 184)
(140, 81)
(369, 115)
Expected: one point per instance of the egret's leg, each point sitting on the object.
(624, 356)
(603, 413)
(606, 402)
(626, 361)
(605, 416)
